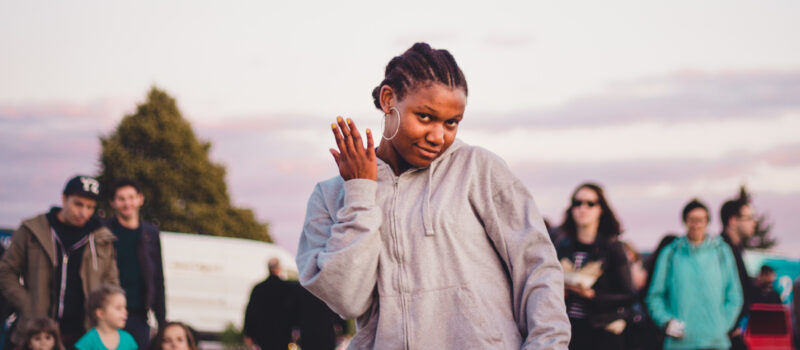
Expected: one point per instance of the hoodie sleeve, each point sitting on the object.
(657, 294)
(732, 304)
(516, 229)
(11, 266)
(337, 258)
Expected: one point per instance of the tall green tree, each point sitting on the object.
(184, 191)
(761, 237)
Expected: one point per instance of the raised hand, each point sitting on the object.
(354, 161)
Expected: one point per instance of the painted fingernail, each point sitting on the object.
(333, 126)
(339, 119)
(368, 131)
(349, 121)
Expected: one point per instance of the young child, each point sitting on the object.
(42, 333)
(174, 336)
(107, 313)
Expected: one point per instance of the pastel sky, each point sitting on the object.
(658, 102)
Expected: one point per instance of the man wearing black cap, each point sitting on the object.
(61, 257)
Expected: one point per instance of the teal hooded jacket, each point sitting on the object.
(699, 286)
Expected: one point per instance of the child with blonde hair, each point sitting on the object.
(107, 313)
(42, 333)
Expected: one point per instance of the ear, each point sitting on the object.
(140, 198)
(63, 200)
(388, 98)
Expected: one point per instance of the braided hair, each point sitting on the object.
(420, 65)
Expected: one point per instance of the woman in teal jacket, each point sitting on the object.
(695, 292)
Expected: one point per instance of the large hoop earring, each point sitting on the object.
(387, 115)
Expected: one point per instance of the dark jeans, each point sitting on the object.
(137, 326)
(584, 336)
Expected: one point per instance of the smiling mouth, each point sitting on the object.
(428, 153)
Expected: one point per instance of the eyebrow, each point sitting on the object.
(436, 113)
(429, 108)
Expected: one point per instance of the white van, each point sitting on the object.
(208, 279)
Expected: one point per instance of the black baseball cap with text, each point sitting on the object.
(84, 186)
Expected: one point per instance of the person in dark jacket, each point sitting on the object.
(139, 260)
(738, 225)
(56, 259)
(764, 292)
(317, 322)
(597, 309)
(268, 319)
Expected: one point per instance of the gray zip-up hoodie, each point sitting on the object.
(452, 256)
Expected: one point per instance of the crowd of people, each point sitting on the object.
(693, 292)
(77, 282)
(74, 281)
(431, 243)
(426, 241)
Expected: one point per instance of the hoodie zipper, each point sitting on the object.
(65, 262)
(399, 257)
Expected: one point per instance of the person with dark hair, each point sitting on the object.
(738, 225)
(268, 319)
(597, 307)
(41, 333)
(56, 259)
(764, 292)
(428, 242)
(175, 336)
(141, 271)
(695, 294)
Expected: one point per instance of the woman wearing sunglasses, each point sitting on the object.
(428, 242)
(598, 284)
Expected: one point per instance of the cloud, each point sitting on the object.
(651, 163)
(680, 97)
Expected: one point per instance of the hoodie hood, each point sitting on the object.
(427, 217)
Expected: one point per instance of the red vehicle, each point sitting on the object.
(769, 327)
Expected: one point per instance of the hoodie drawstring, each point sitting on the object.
(427, 221)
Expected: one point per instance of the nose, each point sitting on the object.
(86, 213)
(435, 135)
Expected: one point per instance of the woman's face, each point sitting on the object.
(696, 223)
(175, 339)
(429, 118)
(586, 207)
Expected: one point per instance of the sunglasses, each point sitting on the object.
(577, 203)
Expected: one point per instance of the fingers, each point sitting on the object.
(357, 143)
(338, 137)
(336, 155)
(370, 145)
(348, 138)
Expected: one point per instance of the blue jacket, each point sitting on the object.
(698, 285)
